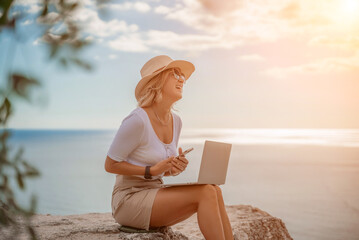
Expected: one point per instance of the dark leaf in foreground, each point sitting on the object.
(5, 111)
(21, 84)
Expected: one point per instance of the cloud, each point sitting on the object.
(251, 58)
(32, 2)
(137, 6)
(252, 22)
(182, 42)
(27, 22)
(162, 10)
(243, 23)
(50, 17)
(191, 13)
(27, 2)
(37, 41)
(89, 19)
(320, 66)
(112, 56)
(154, 39)
(291, 11)
(129, 43)
(218, 8)
(346, 42)
(211, 24)
(301, 17)
(34, 8)
(90, 22)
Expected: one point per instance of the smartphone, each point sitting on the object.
(185, 152)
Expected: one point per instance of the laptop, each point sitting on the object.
(214, 164)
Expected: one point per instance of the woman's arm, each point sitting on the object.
(125, 168)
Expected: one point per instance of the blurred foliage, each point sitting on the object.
(63, 46)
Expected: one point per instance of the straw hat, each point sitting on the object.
(157, 65)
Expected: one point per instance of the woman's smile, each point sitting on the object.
(179, 87)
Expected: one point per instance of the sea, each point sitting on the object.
(309, 178)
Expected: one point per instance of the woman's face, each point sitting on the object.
(173, 87)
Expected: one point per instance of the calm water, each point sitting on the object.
(309, 178)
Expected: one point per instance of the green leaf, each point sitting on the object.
(5, 6)
(5, 135)
(18, 154)
(81, 63)
(21, 84)
(19, 180)
(45, 9)
(30, 170)
(5, 111)
(73, 6)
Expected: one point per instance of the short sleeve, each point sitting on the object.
(127, 138)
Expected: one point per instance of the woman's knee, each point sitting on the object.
(218, 189)
(208, 191)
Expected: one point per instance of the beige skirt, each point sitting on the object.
(132, 200)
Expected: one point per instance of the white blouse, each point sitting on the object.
(137, 143)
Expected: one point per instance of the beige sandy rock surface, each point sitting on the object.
(247, 222)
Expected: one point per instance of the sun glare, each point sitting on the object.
(344, 14)
(350, 7)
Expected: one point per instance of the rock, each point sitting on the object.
(247, 223)
(252, 223)
(165, 233)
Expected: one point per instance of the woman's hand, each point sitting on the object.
(179, 164)
(162, 166)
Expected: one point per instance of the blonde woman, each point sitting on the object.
(143, 152)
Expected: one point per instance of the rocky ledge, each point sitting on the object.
(247, 222)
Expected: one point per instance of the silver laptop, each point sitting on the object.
(214, 164)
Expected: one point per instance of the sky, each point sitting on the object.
(259, 64)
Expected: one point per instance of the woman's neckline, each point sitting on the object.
(153, 130)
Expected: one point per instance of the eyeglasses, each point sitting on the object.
(179, 76)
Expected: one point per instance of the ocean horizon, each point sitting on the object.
(347, 137)
(307, 177)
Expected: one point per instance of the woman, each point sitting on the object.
(144, 150)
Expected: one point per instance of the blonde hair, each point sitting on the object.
(152, 91)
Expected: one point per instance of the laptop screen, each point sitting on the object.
(214, 162)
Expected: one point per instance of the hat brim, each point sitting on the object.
(187, 68)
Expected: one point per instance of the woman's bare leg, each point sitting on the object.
(225, 220)
(175, 204)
